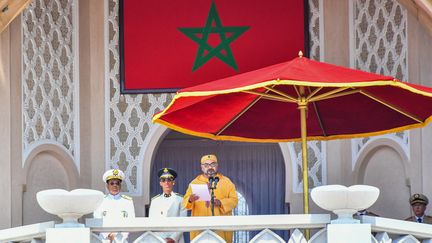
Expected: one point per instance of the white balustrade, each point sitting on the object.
(252, 222)
(231, 223)
(208, 236)
(382, 237)
(149, 237)
(340, 199)
(25, 233)
(297, 237)
(398, 227)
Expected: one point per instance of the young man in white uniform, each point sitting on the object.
(168, 204)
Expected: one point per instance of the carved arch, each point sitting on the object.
(370, 149)
(60, 153)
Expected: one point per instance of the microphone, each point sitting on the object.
(216, 180)
(211, 174)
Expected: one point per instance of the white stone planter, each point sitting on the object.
(345, 201)
(69, 206)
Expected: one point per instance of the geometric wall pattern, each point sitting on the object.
(379, 29)
(317, 162)
(48, 87)
(315, 29)
(380, 37)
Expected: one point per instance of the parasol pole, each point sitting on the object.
(302, 106)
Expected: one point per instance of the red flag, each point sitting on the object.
(170, 45)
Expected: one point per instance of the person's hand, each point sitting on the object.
(169, 240)
(193, 198)
(111, 236)
(217, 202)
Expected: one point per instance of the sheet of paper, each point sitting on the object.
(202, 191)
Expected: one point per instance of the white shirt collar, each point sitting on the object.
(115, 197)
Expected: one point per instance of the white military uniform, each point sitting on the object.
(116, 207)
(163, 206)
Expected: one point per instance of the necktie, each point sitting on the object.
(419, 220)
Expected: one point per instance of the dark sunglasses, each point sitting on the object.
(114, 183)
(166, 180)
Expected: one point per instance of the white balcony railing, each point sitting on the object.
(230, 223)
(344, 229)
(32, 232)
(403, 231)
(384, 228)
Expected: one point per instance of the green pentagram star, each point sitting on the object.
(209, 28)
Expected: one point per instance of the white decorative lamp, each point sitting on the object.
(345, 201)
(70, 206)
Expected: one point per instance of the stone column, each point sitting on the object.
(5, 133)
(92, 92)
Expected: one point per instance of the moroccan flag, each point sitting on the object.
(168, 45)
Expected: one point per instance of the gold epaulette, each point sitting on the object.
(126, 197)
(158, 195)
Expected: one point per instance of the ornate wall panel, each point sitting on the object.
(317, 164)
(380, 41)
(379, 45)
(129, 116)
(315, 30)
(48, 80)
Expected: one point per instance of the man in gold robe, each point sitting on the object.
(225, 195)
